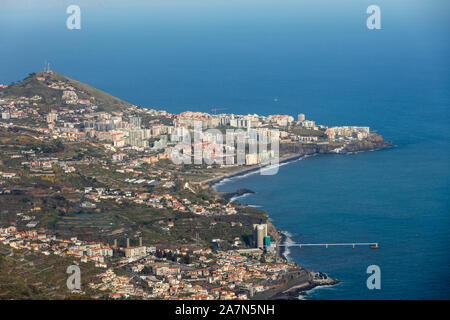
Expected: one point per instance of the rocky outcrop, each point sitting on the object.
(240, 192)
(374, 142)
(274, 234)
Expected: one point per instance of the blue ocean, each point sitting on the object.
(288, 57)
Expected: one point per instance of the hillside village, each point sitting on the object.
(83, 173)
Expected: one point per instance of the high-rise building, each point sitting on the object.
(139, 137)
(301, 117)
(259, 233)
(135, 122)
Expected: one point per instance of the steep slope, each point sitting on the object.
(37, 84)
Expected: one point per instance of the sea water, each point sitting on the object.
(288, 57)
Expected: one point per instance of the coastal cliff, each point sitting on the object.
(295, 285)
(374, 142)
(298, 283)
(292, 151)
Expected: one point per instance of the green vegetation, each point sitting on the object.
(307, 132)
(26, 275)
(52, 98)
(106, 102)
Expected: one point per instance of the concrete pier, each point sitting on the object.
(373, 245)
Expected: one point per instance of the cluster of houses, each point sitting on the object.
(212, 275)
(209, 275)
(117, 286)
(163, 201)
(38, 240)
(124, 133)
(347, 133)
(19, 108)
(184, 205)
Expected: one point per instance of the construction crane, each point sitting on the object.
(216, 109)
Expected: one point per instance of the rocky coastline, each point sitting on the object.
(297, 151)
(306, 280)
(239, 193)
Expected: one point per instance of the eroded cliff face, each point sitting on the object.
(374, 142)
(304, 148)
(273, 232)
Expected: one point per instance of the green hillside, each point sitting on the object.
(31, 86)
